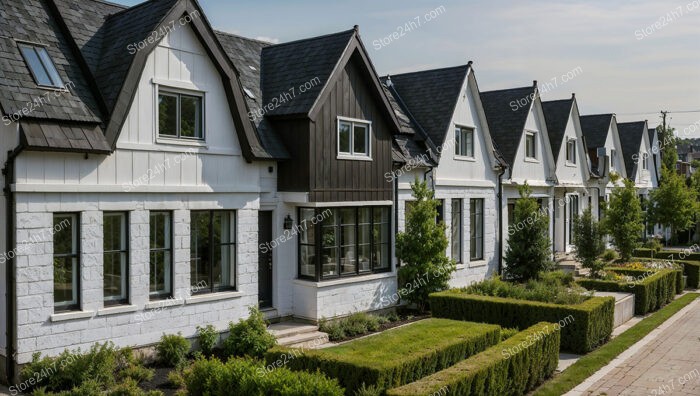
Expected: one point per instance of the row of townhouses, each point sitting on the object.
(160, 175)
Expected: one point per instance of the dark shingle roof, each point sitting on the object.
(507, 119)
(245, 54)
(431, 96)
(290, 65)
(595, 129)
(631, 137)
(556, 115)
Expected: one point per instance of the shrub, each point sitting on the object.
(249, 337)
(585, 325)
(513, 367)
(372, 390)
(555, 288)
(128, 387)
(176, 379)
(623, 218)
(588, 241)
(529, 248)
(172, 350)
(653, 244)
(394, 357)
(652, 288)
(207, 337)
(609, 255)
(355, 324)
(422, 248)
(245, 377)
(507, 333)
(689, 261)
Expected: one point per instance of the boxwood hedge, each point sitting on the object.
(513, 367)
(583, 326)
(690, 254)
(652, 290)
(691, 268)
(394, 357)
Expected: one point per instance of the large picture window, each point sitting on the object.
(180, 115)
(476, 228)
(115, 257)
(335, 242)
(66, 261)
(161, 255)
(212, 250)
(456, 231)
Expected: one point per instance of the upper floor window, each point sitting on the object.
(353, 138)
(464, 142)
(180, 115)
(645, 161)
(66, 261)
(40, 64)
(612, 159)
(571, 151)
(531, 145)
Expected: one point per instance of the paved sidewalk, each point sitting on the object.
(665, 362)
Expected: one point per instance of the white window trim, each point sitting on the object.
(462, 157)
(351, 156)
(534, 147)
(645, 161)
(575, 154)
(182, 141)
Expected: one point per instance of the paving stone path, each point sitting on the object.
(665, 362)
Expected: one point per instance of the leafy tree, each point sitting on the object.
(422, 249)
(667, 142)
(529, 248)
(673, 204)
(588, 241)
(623, 218)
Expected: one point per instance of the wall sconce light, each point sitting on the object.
(288, 222)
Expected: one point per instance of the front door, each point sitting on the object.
(265, 259)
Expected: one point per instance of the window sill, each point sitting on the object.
(460, 266)
(478, 263)
(213, 297)
(182, 142)
(167, 302)
(71, 315)
(570, 164)
(464, 158)
(117, 309)
(353, 158)
(533, 160)
(345, 281)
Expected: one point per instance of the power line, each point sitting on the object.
(657, 112)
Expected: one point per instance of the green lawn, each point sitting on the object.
(592, 362)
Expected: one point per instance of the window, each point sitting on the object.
(530, 145)
(573, 214)
(464, 142)
(212, 250)
(346, 241)
(116, 257)
(161, 255)
(476, 228)
(353, 138)
(457, 230)
(645, 161)
(612, 159)
(571, 151)
(440, 211)
(180, 115)
(66, 261)
(41, 66)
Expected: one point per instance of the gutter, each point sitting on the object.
(10, 276)
(500, 219)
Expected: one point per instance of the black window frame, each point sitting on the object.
(154, 296)
(472, 229)
(178, 94)
(210, 288)
(462, 147)
(126, 251)
(78, 245)
(459, 204)
(318, 246)
(34, 47)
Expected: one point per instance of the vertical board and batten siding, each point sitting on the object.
(334, 180)
(294, 173)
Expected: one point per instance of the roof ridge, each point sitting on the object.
(508, 89)
(242, 37)
(599, 115)
(427, 71)
(558, 100)
(122, 6)
(127, 9)
(310, 38)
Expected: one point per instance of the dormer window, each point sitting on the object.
(41, 66)
(353, 138)
(645, 161)
(531, 145)
(464, 142)
(612, 159)
(571, 151)
(180, 115)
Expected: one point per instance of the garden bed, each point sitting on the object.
(584, 326)
(691, 269)
(394, 357)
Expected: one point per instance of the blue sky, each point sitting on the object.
(616, 59)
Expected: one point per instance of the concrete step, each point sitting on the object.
(288, 329)
(304, 340)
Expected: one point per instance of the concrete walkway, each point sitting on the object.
(665, 362)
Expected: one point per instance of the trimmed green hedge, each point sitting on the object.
(394, 357)
(583, 326)
(651, 292)
(638, 274)
(686, 254)
(691, 269)
(513, 367)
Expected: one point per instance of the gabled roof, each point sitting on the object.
(556, 115)
(506, 120)
(631, 138)
(595, 129)
(431, 97)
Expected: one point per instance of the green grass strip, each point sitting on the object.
(592, 362)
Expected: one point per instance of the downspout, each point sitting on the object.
(396, 214)
(10, 276)
(500, 219)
